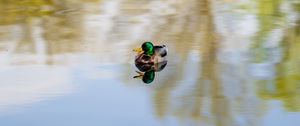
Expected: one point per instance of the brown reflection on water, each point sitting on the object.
(200, 33)
(34, 35)
(209, 73)
(228, 80)
(204, 36)
(41, 29)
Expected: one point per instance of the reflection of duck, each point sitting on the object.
(150, 54)
(147, 67)
(147, 71)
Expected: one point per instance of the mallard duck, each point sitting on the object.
(150, 54)
(147, 77)
(147, 71)
(155, 67)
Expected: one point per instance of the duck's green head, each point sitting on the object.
(148, 48)
(148, 76)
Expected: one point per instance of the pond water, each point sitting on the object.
(70, 63)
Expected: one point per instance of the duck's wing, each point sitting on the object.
(161, 50)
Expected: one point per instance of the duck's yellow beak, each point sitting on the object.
(138, 50)
(140, 75)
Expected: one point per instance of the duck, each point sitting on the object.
(146, 77)
(147, 71)
(150, 54)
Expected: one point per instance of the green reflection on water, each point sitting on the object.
(12, 11)
(287, 82)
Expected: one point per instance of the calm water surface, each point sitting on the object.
(230, 63)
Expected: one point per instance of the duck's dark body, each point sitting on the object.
(144, 67)
(149, 70)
